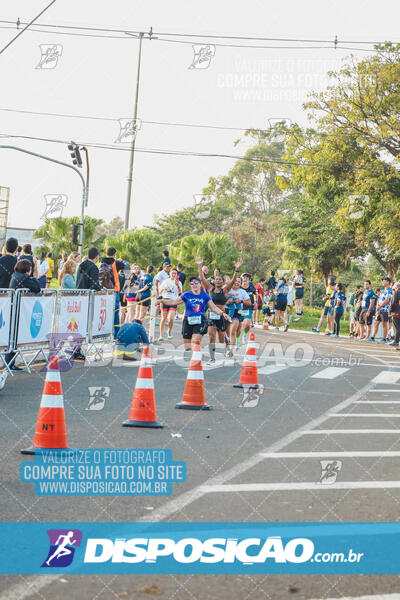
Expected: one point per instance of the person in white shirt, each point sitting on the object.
(42, 268)
(170, 289)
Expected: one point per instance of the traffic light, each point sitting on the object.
(73, 233)
(75, 154)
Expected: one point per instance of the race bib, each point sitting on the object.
(244, 312)
(170, 294)
(214, 315)
(195, 320)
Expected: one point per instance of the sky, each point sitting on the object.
(96, 77)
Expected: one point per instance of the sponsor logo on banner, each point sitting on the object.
(62, 547)
(103, 314)
(36, 319)
(2, 321)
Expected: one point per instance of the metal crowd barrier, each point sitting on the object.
(31, 323)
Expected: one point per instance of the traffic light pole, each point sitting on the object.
(85, 184)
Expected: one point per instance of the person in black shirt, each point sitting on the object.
(271, 283)
(166, 258)
(8, 262)
(87, 277)
(181, 274)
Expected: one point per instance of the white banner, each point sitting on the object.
(35, 319)
(73, 314)
(103, 314)
(5, 320)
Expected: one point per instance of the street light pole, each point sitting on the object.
(132, 154)
(85, 189)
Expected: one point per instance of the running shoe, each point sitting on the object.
(211, 361)
(393, 344)
(369, 339)
(286, 327)
(229, 354)
(382, 342)
(15, 368)
(160, 339)
(315, 330)
(327, 333)
(170, 336)
(276, 328)
(335, 335)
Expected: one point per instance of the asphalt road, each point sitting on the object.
(250, 459)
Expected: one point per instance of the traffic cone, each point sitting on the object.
(266, 324)
(51, 430)
(249, 375)
(143, 407)
(194, 395)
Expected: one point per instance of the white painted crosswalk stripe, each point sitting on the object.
(334, 454)
(354, 431)
(330, 373)
(373, 597)
(388, 415)
(387, 377)
(298, 486)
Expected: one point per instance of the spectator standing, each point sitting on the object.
(8, 262)
(145, 286)
(340, 302)
(51, 268)
(42, 268)
(166, 258)
(21, 279)
(299, 285)
(122, 299)
(181, 274)
(394, 311)
(382, 310)
(367, 307)
(63, 260)
(87, 277)
(108, 275)
(66, 278)
(28, 255)
(327, 313)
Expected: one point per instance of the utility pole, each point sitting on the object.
(149, 36)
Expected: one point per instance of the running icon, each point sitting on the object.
(62, 547)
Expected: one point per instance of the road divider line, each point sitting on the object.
(377, 402)
(373, 597)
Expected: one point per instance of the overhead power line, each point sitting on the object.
(26, 26)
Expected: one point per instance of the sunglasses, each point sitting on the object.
(195, 283)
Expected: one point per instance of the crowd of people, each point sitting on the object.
(223, 306)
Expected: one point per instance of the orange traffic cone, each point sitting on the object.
(194, 395)
(143, 407)
(249, 375)
(51, 430)
(266, 324)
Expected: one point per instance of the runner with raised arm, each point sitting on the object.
(242, 302)
(219, 292)
(196, 301)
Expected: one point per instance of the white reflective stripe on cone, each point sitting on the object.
(195, 375)
(49, 401)
(146, 362)
(53, 376)
(144, 384)
(196, 355)
(251, 358)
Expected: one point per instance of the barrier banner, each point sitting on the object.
(5, 319)
(73, 316)
(103, 314)
(35, 319)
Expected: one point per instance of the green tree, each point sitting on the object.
(141, 246)
(216, 250)
(55, 233)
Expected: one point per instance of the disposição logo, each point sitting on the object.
(62, 547)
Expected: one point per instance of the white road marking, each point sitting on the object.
(390, 391)
(379, 415)
(330, 373)
(377, 402)
(387, 377)
(306, 485)
(373, 597)
(350, 454)
(330, 431)
(180, 502)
